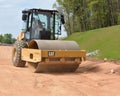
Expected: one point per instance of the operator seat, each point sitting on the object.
(39, 31)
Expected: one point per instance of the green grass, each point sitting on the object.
(106, 40)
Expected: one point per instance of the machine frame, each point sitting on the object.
(61, 56)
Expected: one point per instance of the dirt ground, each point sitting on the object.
(93, 78)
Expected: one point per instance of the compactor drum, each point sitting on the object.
(37, 45)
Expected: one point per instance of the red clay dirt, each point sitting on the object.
(93, 78)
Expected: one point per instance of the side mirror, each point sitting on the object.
(24, 17)
(62, 19)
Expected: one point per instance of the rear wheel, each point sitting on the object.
(16, 53)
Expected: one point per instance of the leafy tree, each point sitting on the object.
(65, 6)
(82, 15)
(7, 38)
(1, 37)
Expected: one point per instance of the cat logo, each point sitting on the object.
(51, 53)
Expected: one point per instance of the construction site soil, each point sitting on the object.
(94, 77)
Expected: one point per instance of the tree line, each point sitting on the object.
(7, 39)
(83, 15)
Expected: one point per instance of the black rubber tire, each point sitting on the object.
(16, 53)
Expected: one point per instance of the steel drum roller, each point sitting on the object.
(53, 45)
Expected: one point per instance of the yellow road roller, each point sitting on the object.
(38, 45)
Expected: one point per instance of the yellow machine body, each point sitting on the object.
(60, 60)
(53, 56)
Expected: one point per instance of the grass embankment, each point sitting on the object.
(106, 40)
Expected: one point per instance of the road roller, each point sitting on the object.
(38, 45)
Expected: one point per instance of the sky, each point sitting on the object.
(11, 13)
